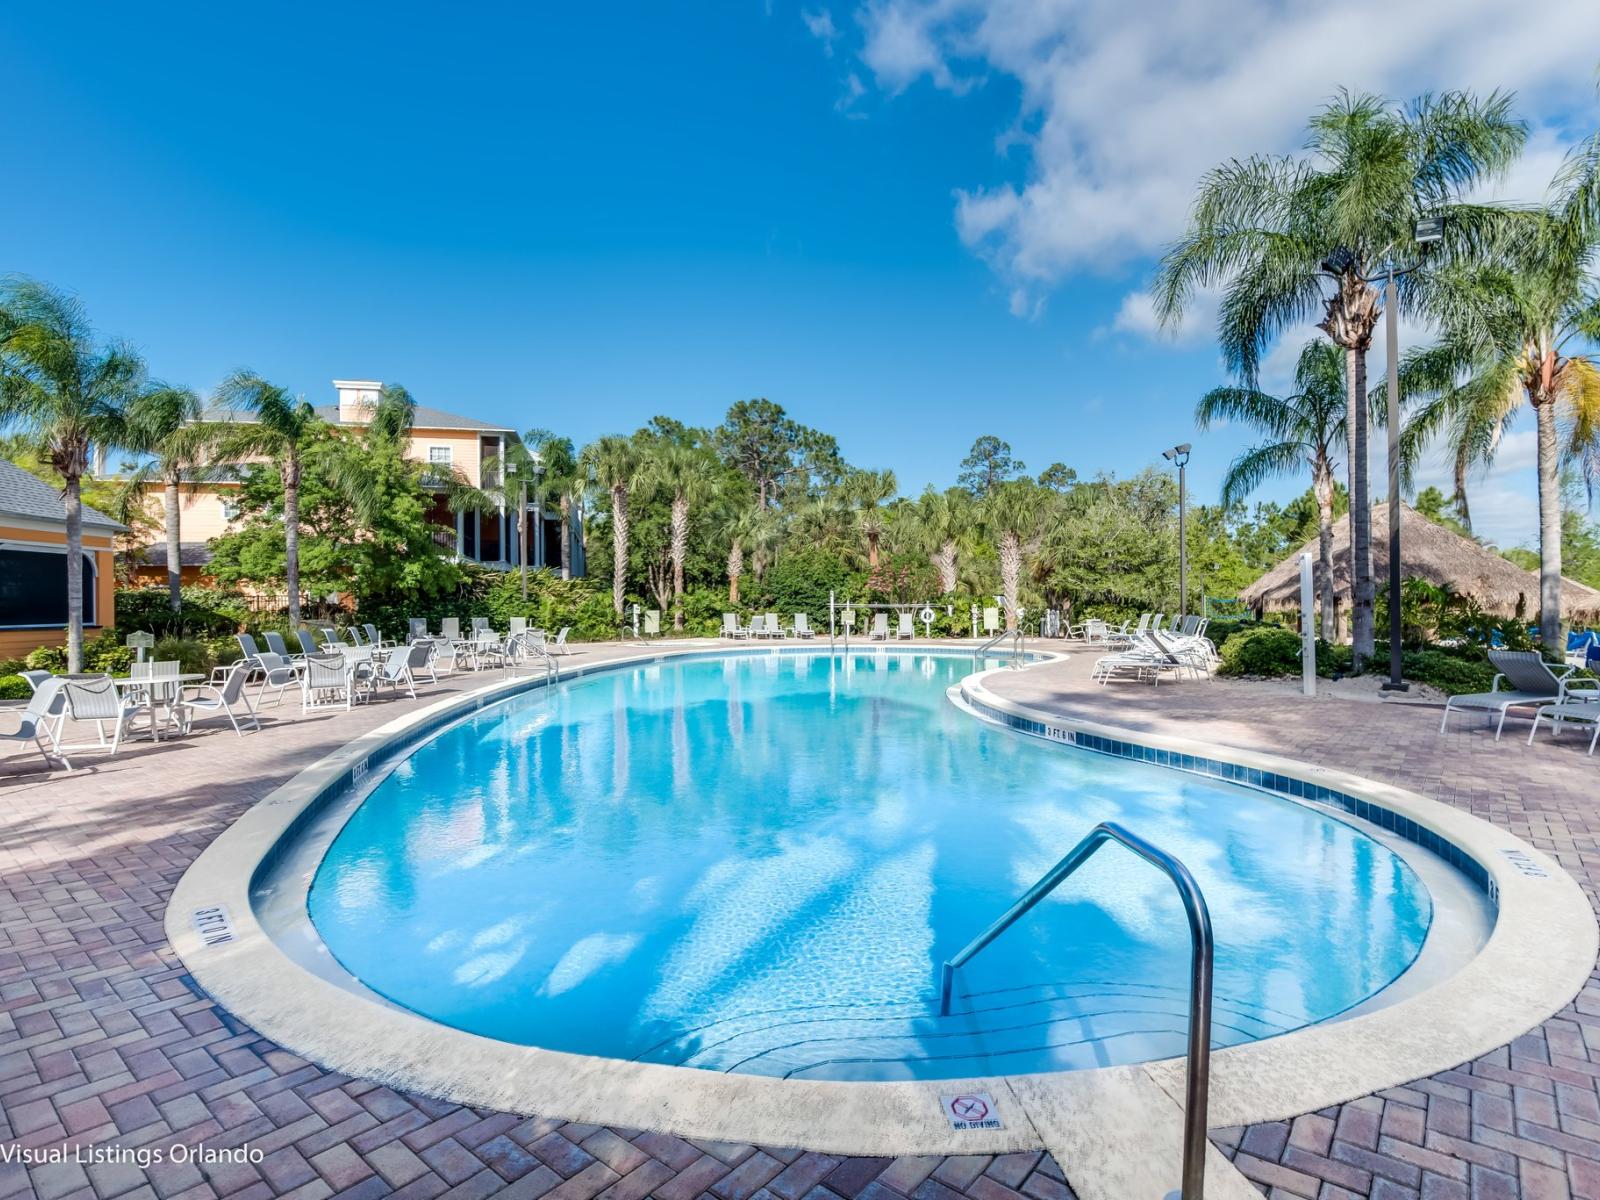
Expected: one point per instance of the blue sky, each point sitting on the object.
(910, 223)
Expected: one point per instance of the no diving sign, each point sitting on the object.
(971, 1110)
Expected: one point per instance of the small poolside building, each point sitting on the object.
(1428, 551)
(33, 564)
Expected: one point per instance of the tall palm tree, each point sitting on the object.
(1515, 338)
(945, 520)
(180, 447)
(278, 426)
(1288, 239)
(65, 392)
(1014, 513)
(1303, 429)
(613, 463)
(560, 484)
(688, 475)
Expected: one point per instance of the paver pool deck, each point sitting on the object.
(104, 1039)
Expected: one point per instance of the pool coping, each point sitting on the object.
(250, 974)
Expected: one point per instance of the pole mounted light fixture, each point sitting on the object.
(1180, 456)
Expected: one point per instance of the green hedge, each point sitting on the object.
(14, 687)
(1261, 650)
(204, 612)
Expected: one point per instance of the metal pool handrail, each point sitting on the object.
(1016, 648)
(1198, 1076)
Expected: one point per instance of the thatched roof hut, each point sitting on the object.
(1430, 552)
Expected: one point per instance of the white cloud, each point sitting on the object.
(1137, 317)
(1123, 110)
(820, 25)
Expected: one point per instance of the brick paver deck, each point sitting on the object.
(105, 1041)
(1523, 1121)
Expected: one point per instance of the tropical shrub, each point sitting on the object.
(800, 580)
(48, 658)
(202, 611)
(191, 654)
(14, 687)
(1261, 650)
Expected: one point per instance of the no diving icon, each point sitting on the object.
(971, 1110)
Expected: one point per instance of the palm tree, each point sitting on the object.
(613, 463)
(1014, 512)
(687, 474)
(1512, 341)
(279, 425)
(867, 490)
(945, 519)
(1304, 429)
(180, 446)
(64, 392)
(1289, 239)
(560, 484)
(743, 528)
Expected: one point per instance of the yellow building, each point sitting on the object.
(33, 565)
(208, 509)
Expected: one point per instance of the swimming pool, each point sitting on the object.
(756, 863)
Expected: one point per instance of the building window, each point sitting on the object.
(439, 456)
(230, 510)
(33, 588)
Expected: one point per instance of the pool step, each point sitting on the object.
(1052, 1027)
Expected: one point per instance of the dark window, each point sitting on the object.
(33, 588)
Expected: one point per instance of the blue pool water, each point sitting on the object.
(758, 862)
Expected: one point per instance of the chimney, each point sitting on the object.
(357, 399)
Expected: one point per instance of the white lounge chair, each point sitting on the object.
(731, 627)
(450, 627)
(559, 645)
(518, 625)
(275, 645)
(758, 626)
(905, 628)
(802, 626)
(35, 723)
(774, 626)
(1532, 684)
(328, 681)
(247, 646)
(227, 701)
(880, 627)
(1582, 704)
(399, 669)
(480, 625)
(416, 629)
(375, 637)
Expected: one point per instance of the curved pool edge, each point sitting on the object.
(1540, 953)
(253, 977)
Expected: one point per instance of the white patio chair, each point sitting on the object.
(279, 675)
(328, 681)
(559, 646)
(757, 627)
(308, 644)
(802, 626)
(247, 646)
(98, 700)
(226, 701)
(480, 625)
(880, 627)
(416, 629)
(450, 627)
(375, 637)
(45, 706)
(905, 628)
(774, 626)
(518, 625)
(731, 627)
(398, 668)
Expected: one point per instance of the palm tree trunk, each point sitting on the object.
(73, 496)
(291, 536)
(566, 537)
(174, 548)
(680, 548)
(619, 545)
(945, 562)
(735, 569)
(1361, 632)
(872, 551)
(1010, 572)
(1549, 522)
(1322, 483)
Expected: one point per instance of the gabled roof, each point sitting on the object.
(23, 494)
(190, 554)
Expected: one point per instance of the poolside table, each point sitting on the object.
(163, 683)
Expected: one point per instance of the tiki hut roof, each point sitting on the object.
(1430, 552)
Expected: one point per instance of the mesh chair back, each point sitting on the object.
(275, 644)
(308, 644)
(416, 627)
(247, 644)
(47, 699)
(233, 685)
(730, 622)
(479, 624)
(372, 632)
(417, 656)
(561, 638)
(93, 699)
(802, 623)
(1525, 671)
(326, 671)
(519, 625)
(35, 678)
(450, 627)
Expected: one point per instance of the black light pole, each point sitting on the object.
(1428, 231)
(1180, 455)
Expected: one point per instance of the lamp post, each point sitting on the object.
(1180, 455)
(1427, 231)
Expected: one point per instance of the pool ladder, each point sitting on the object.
(1018, 659)
(1197, 1082)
